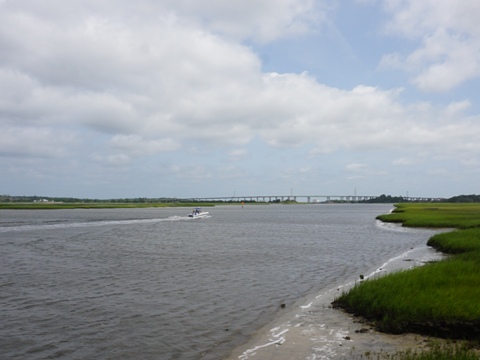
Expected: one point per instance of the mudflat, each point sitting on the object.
(315, 330)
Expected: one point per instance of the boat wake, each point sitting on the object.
(63, 225)
(198, 217)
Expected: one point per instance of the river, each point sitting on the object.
(156, 284)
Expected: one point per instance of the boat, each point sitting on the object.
(198, 213)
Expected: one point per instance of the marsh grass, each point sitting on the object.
(437, 215)
(457, 242)
(457, 351)
(435, 351)
(439, 299)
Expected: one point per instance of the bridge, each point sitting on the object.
(305, 198)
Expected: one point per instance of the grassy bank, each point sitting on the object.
(440, 299)
(436, 215)
(433, 351)
(92, 205)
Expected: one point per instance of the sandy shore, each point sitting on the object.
(314, 330)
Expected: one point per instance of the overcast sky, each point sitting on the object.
(152, 98)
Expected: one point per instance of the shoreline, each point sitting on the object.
(313, 329)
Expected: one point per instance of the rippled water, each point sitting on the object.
(155, 284)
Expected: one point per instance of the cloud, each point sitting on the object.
(355, 167)
(117, 160)
(438, 172)
(137, 84)
(363, 171)
(32, 142)
(449, 49)
(255, 20)
(237, 154)
(472, 162)
(135, 145)
(406, 161)
(193, 173)
(151, 86)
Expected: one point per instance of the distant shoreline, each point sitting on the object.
(94, 205)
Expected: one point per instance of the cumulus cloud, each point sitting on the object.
(449, 36)
(122, 81)
(151, 85)
(256, 20)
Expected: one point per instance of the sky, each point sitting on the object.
(182, 98)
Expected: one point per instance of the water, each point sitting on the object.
(155, 284)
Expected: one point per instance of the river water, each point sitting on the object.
(156, 284)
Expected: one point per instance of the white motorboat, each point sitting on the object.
(198, 213)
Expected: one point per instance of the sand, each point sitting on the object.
(313, 330)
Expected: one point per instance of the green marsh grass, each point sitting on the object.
(440, 299)
(435, 215)
(434, 351)
(447, 352)
(457, 242)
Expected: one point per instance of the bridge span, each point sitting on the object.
(306, 198)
